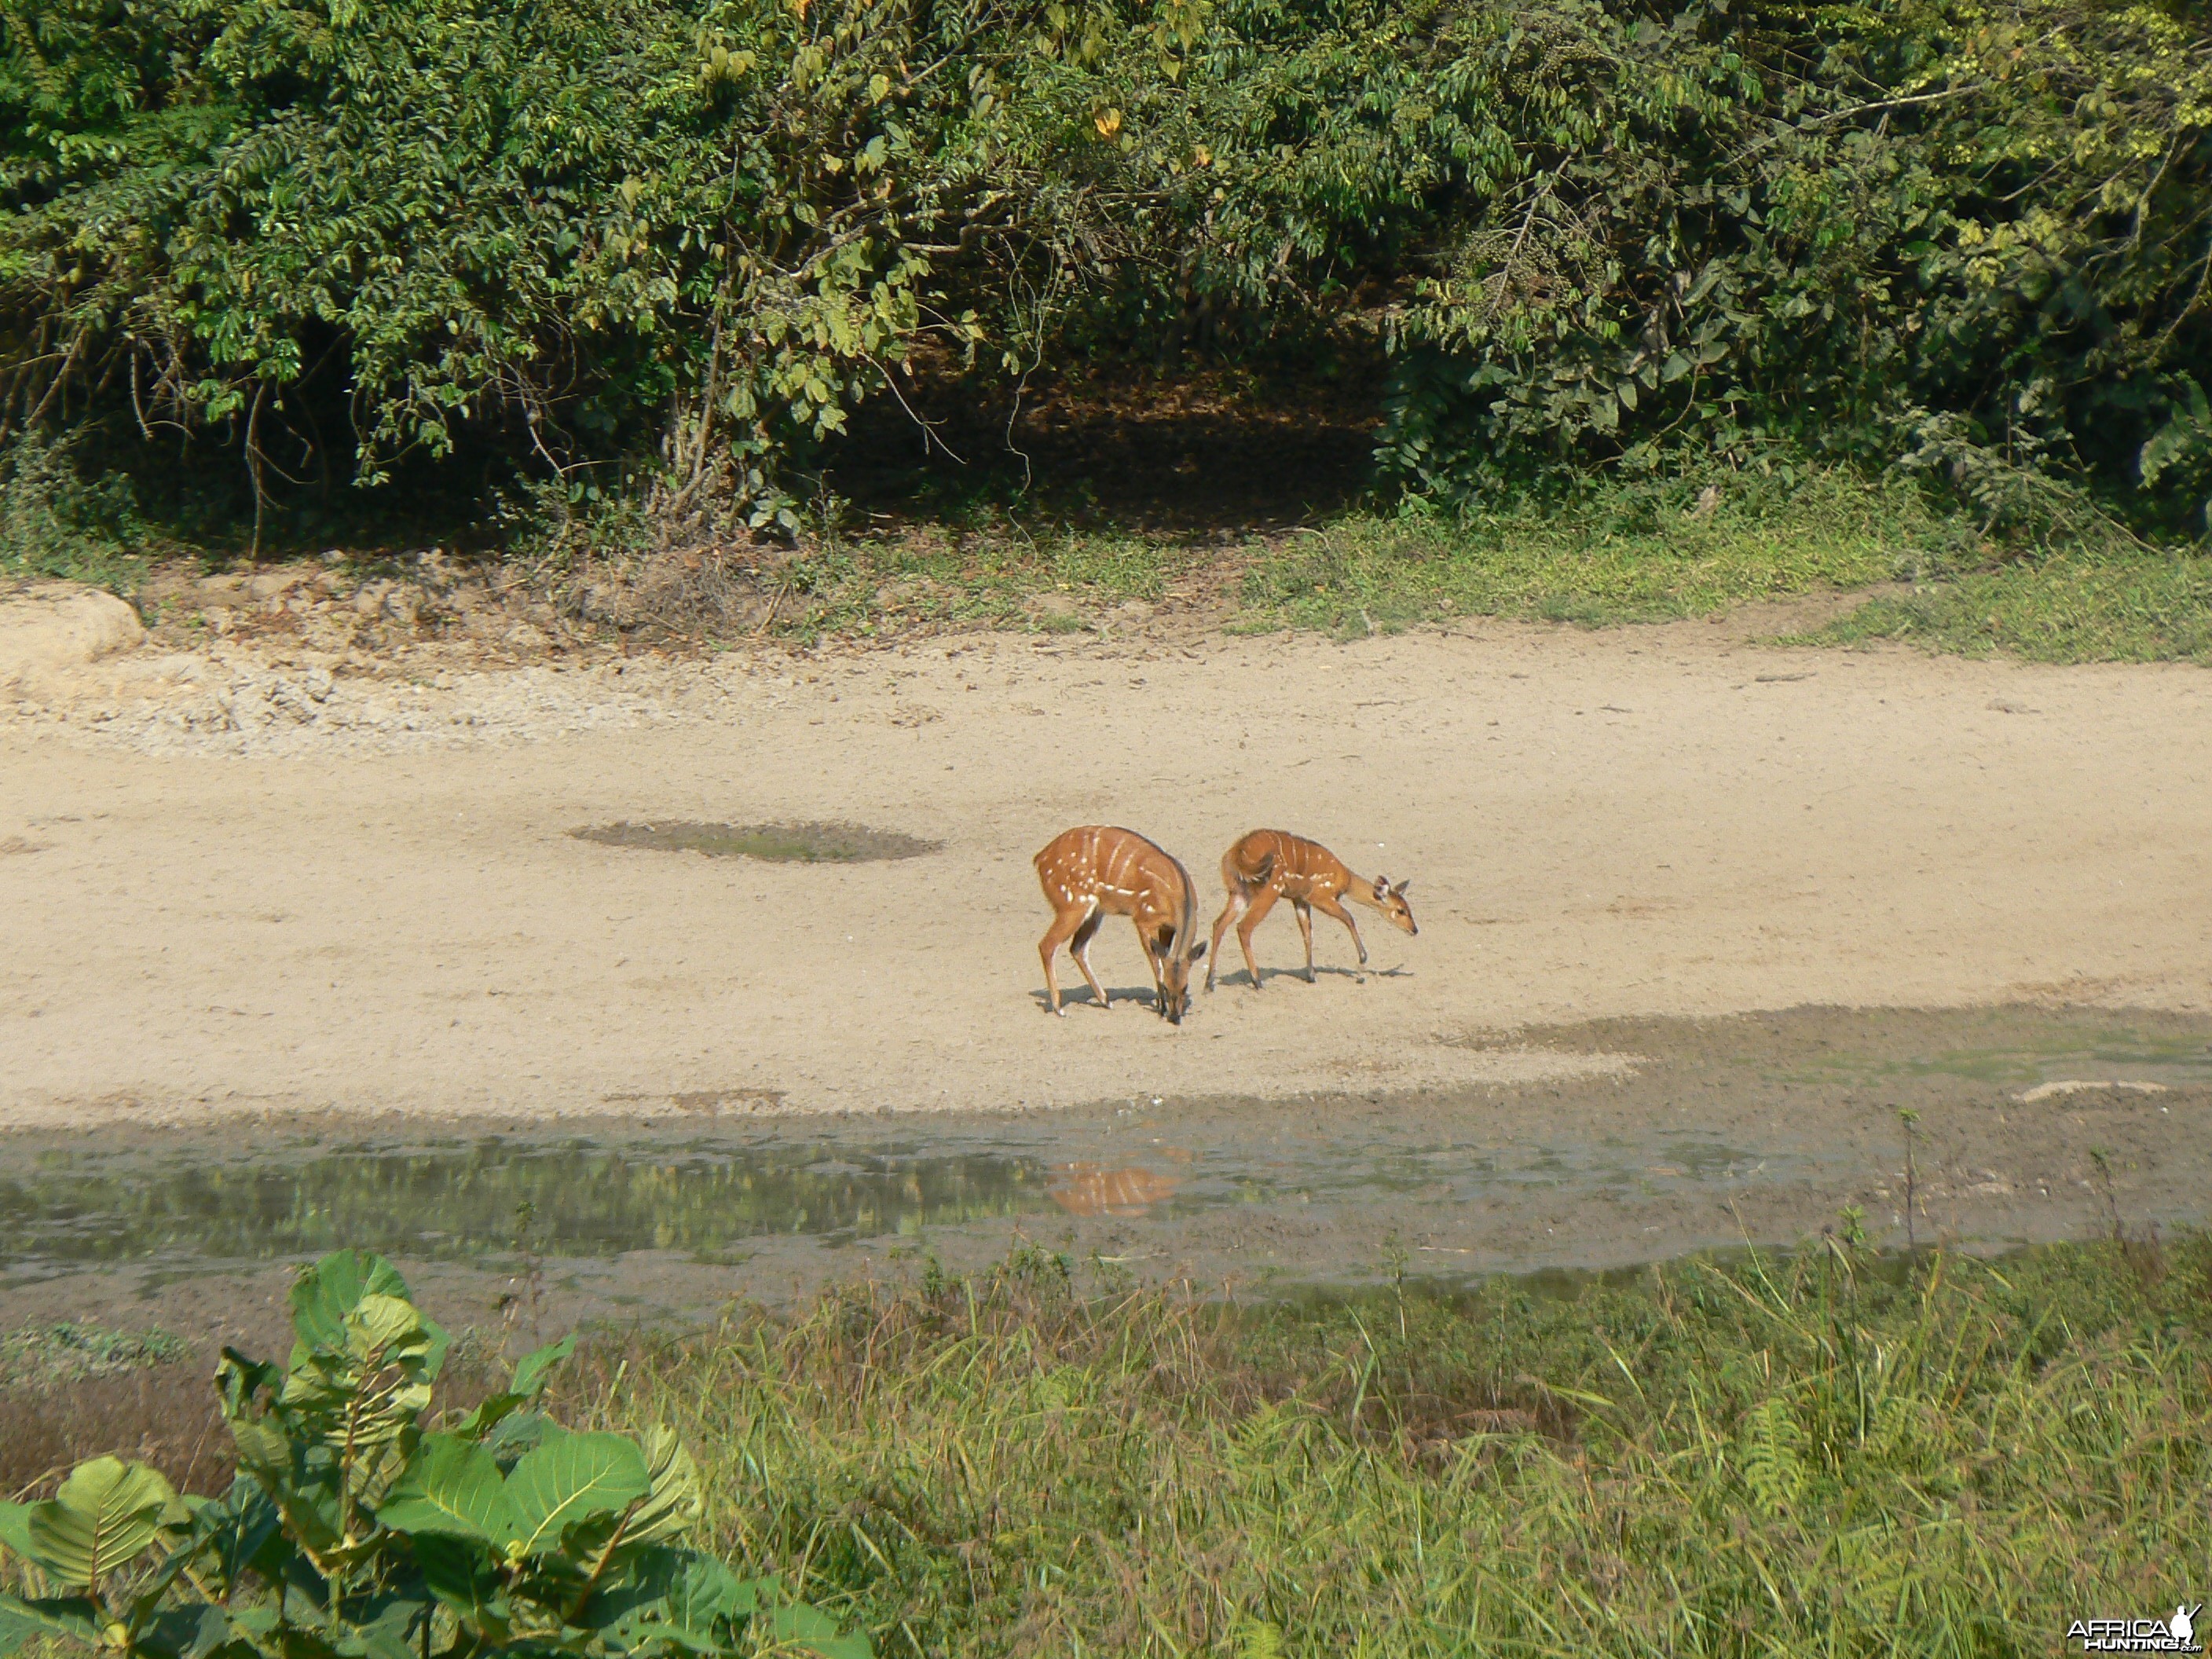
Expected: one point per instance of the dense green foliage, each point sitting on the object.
(1970, 236)
(1814, 1455)
(357, 1530)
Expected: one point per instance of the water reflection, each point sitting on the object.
(1087, 1189)
(462, 1199)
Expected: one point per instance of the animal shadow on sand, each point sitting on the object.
(1117, 994)
(1269, 976)
(1081, 997)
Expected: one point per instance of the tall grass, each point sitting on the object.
(1777, 1456)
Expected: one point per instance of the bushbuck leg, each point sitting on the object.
(1255, 910)
(1230, 912)
(1329, 907)
(1243, 886)
(1064, 925)
(1079, 948)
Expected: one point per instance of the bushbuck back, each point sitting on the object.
(1274, 864)
(1096, 871)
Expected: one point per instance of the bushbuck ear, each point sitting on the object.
(1402, 888)
(1382, 886)
(1198, 952)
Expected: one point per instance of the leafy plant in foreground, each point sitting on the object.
(354, 1532)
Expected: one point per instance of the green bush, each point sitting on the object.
(54, 522)
(1969, 238)
(355, 1531)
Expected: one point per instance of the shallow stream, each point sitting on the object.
(1762, 1129)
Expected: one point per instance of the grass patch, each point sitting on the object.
(51, 1355)
(1684, 549)
(1055, 582)
(2137, 606)
(1811, 1453)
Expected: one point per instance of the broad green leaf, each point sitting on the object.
(16, 1626)
(256, 1620)
(105, 1513)
(533, 1369)
(74, 1617)
(15, 1527)
(261, 1446)
(704, 1589)
(488, 1415)
(240, 1381)
(812, 1631)
(308, 1506)
(190, 1633)
(450, 1485)
(388, 1627)
(326, 1293)
(575, 1478)
(520, 1433)
(674, 1502)
(634, 1633)
(462, 1573)
(385, 1326)
(228, 1534)
(633, 1597)
(682, 1597)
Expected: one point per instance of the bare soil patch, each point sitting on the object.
(387, 911)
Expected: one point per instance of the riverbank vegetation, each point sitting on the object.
(1821, 1451)
(693, 277)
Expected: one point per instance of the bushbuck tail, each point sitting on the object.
(1096, 871)
(1274, 864)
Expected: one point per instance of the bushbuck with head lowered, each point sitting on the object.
(1274, 864)
(1096, 871)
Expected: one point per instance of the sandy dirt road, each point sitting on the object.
(1642, 822)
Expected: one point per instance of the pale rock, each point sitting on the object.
(275, 584)
(50, 628)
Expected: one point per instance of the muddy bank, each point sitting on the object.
(2028, 1125)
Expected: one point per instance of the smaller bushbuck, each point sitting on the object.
(1273, 864)
(1096, 871)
